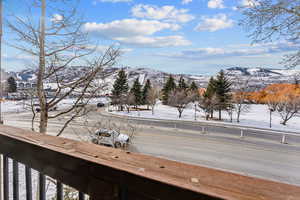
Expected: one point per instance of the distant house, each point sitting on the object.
(22, 85)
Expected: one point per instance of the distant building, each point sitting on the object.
(23, 85)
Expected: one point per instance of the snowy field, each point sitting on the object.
(22, 106)
(257, 116)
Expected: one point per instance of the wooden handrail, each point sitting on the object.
(107, 173)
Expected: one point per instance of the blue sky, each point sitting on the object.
(178, 36)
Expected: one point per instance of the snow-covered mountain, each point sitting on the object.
(259, 76)
(260, 72)
(109, 75)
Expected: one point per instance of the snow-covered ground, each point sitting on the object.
(21, 106)
(13, 106)
(257, 116)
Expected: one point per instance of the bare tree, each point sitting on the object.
(29, 105)
(272, 104)
(208, 104)
(274, 19)
(128, 100)
(179, 98)
(240, 96)
(152, 98)
(57, 44)
(288, 106)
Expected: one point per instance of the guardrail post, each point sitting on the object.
(283, 139)
(242, 133)
(203, 129)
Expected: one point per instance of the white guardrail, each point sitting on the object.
(205, 125)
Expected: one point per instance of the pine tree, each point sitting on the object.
(120, 85)
(136, 90)
(120, 89)
(193, 86)
(12, 85)
(145, 92)
(181, 84)
(222, 87)
(169, 86)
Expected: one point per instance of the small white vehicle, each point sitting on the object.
(110, 138)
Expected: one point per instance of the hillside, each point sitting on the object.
(259, 77)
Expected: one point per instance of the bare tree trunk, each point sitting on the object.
(195, 117)
(238, 115)
(270, 119)
(180, 113)
(220, 114)
(41, 71)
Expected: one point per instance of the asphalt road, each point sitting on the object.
(258, 133)
(253, 156)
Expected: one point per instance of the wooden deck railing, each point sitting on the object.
(111, 174)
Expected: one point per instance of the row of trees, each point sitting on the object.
(180, 95)
(137, 95)
(283, 99)
(217, 96)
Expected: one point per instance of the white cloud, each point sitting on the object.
(217, 22)
(249, 3)
(166, 13)
(114, 1)
(128, 27)
(186, 1)
(103, 48)
(137, 32)
(56, 18)
(245, 50)
(216, 4)
(163, 41)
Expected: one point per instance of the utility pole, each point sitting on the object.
(1, 91)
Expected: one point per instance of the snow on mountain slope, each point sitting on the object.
(260, 77)
(287, 72)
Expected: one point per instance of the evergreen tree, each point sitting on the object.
(136, 90)
(181, 84)
(169, 86)
(145, 91)
(222, 87)
(120, 89)
(12, 85)
(193, 86)
(121, 84)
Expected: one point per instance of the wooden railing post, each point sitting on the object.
(42, 186)
(5, 178)
(15, 180)
(59, 191)
(28, 182)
